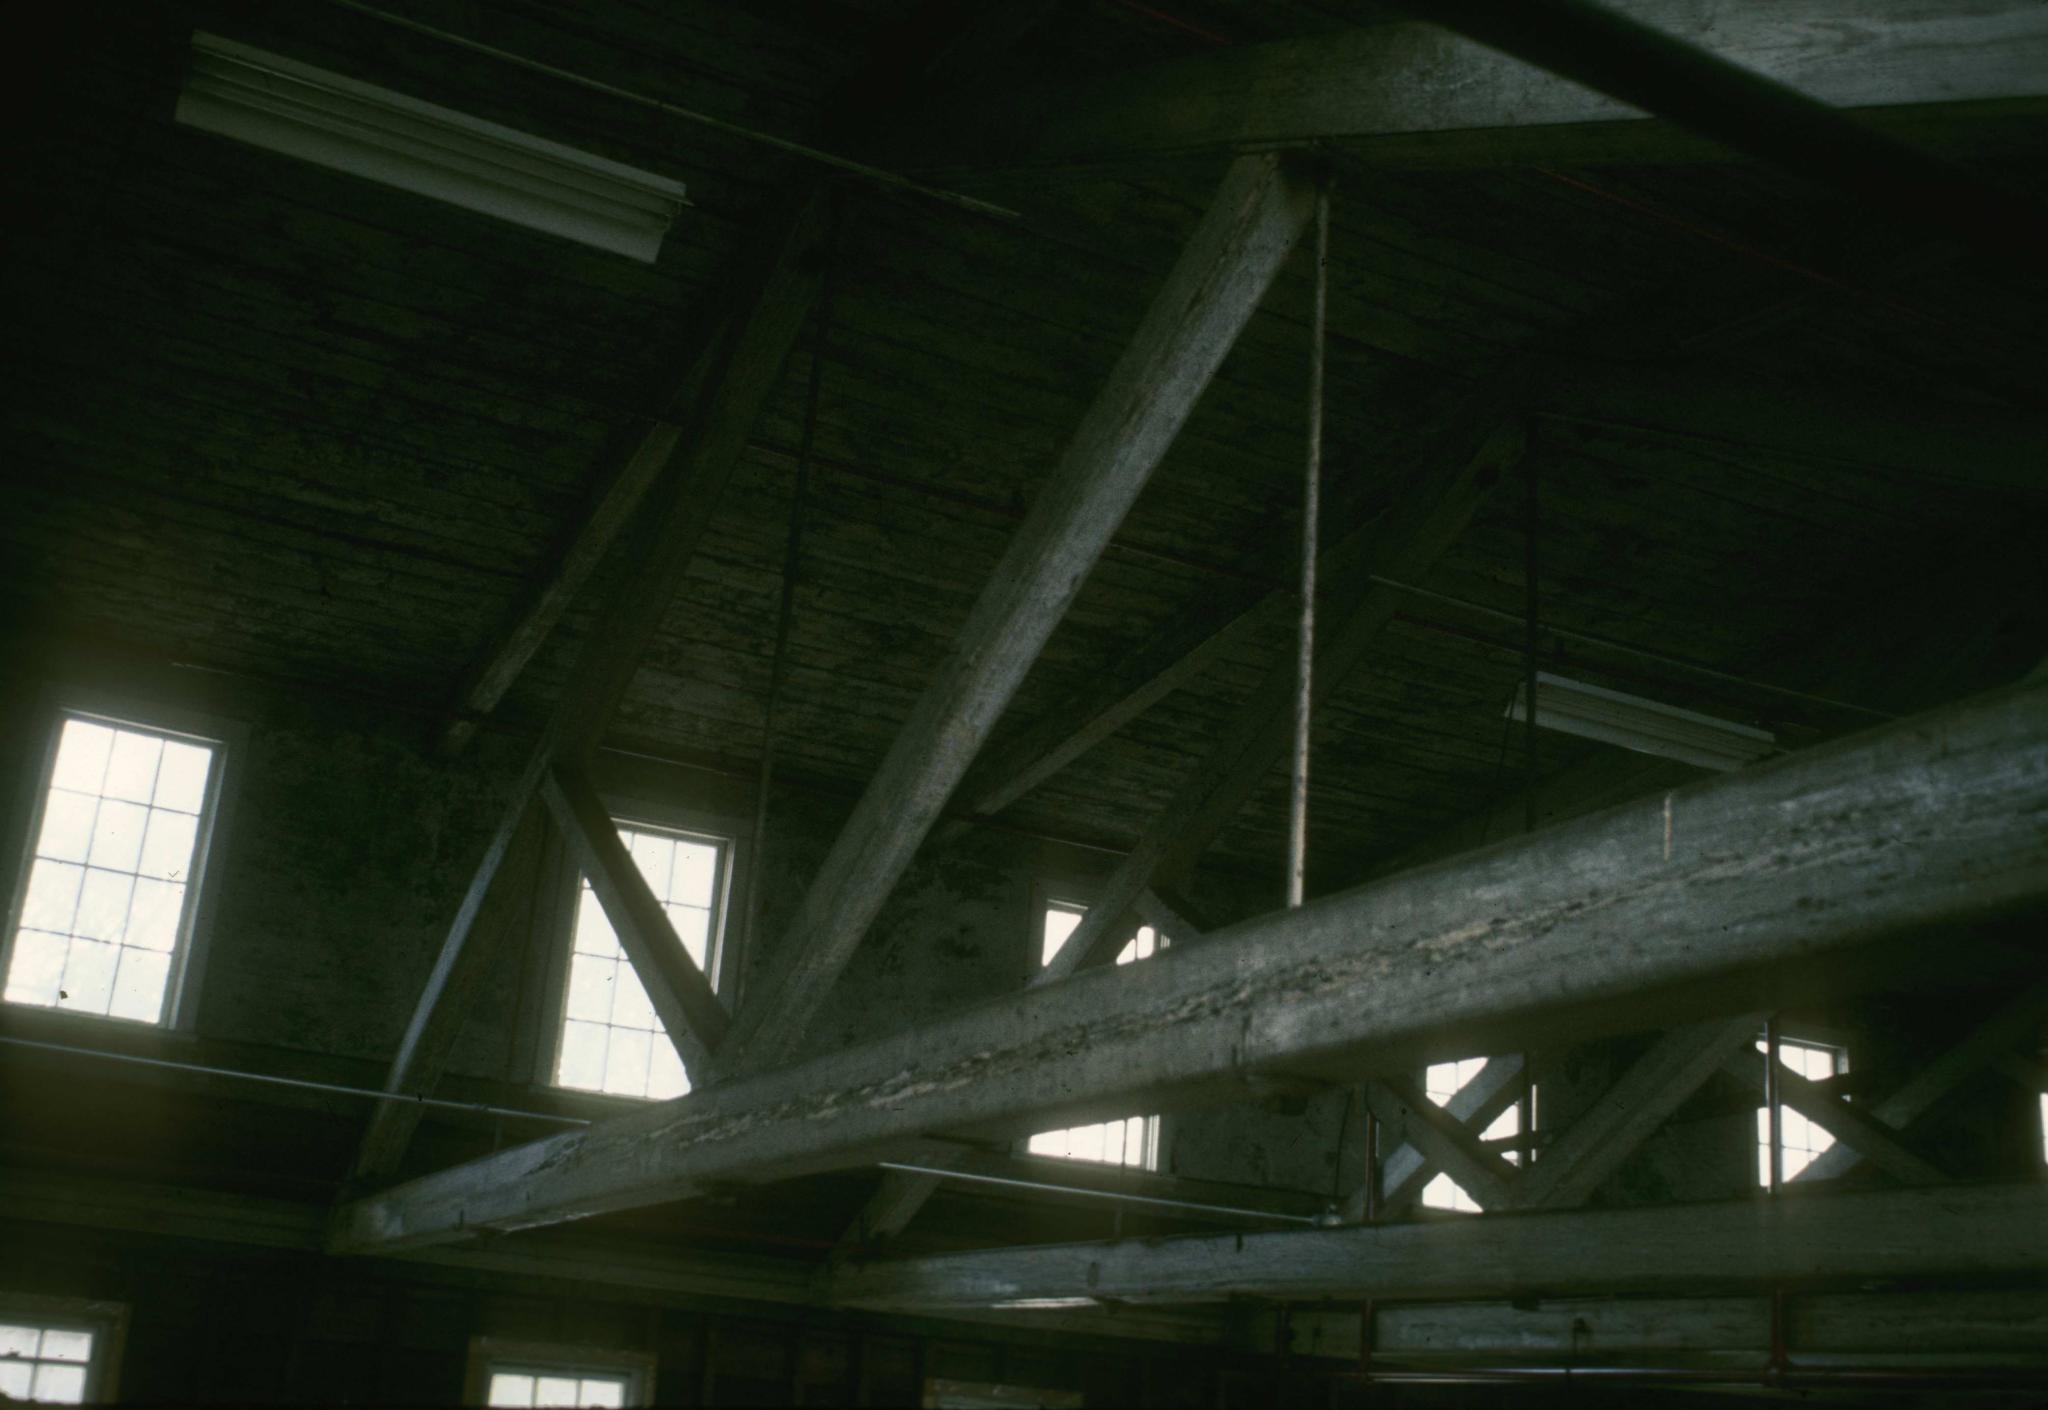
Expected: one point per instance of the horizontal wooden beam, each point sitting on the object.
(1949, 1320)
(1654, 912)
(1410, 94)
(1835, 1237)
(1213, 290)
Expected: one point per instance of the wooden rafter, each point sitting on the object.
(1409, 94)
(1193, 321)
(785, 274)
(436, 1020)
(1649, 912)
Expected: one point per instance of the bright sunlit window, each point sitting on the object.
(535, 1374)
(46, 1363)
(533, 1387)
(1804, 1140)
(612, 1040)
(1133, 1140)
(103, 920)
(1440, 1082)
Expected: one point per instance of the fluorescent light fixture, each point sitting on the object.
(1573, 707)
(337, 122)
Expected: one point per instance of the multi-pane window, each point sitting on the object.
(545, 1373)
(612, 1040)
(41, 1362)
(1441, 1082)
(107, 907)
(1132, 1140)
(536, 1386)
(1802, 1140)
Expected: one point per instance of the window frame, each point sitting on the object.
(490, 1354)
(559, 923)
(1814, 1040)
(1048, 892)
(1525, 1122)
(107, 1321)
(228, 739)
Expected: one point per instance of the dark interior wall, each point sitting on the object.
(207, 1323)
(344, 841)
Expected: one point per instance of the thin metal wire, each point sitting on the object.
(786, 608)
(767, 139)
(1047, 1187)
(1311, 510)
(1774, 1098)
(305, 1083)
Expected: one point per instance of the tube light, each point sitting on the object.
(1573, 707)
(289, 107)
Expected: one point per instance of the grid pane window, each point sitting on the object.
(1440, 1082)
(110, 882)
(536, 1386)
(1132, 1140)
(44, 1363)
(1803, 1140)
(612, 1040)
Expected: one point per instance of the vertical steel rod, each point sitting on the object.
(1311, 504)
(1532, 523)
(1774, 1102)
(785, 614)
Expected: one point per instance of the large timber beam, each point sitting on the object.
(1410, 94)
(1633, 58)
(1428, 519)
(1222, 274)
(1837, 1237)
(1654, 912)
